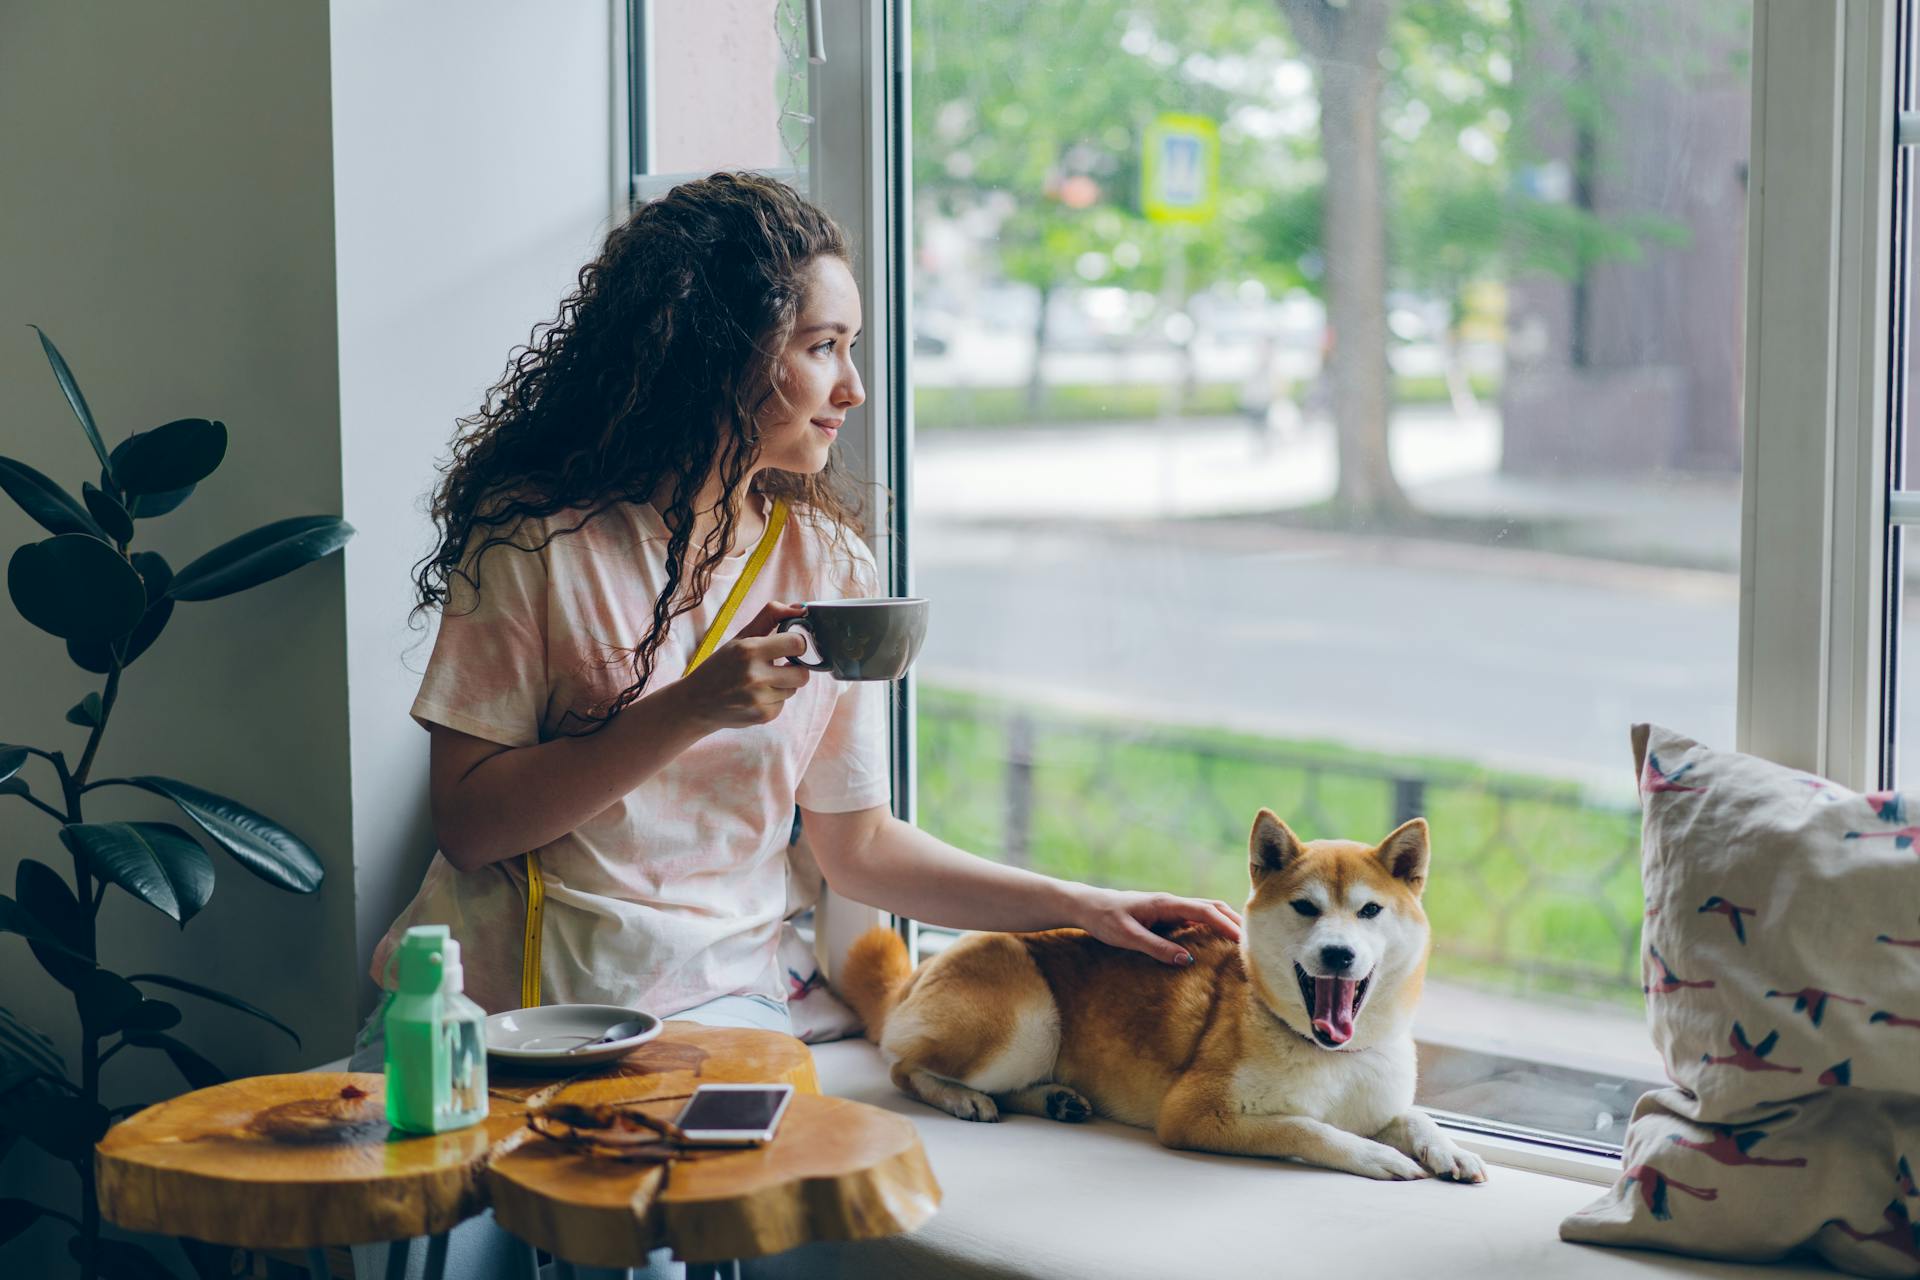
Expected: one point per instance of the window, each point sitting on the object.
(1366, 410)
(744, 103)
(1364, 472)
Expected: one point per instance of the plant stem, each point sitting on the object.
(106, 709)
(44, 807)
(71, 785)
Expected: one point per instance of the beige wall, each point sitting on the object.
(325, 225)
(168, 219)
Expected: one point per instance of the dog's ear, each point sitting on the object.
(1271, 847)
(1404, 854)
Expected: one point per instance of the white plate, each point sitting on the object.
(541, 1037)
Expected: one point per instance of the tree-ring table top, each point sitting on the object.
(837, 1170)
(294, 1161)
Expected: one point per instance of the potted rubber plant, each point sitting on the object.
(86, 585)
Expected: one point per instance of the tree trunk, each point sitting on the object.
(1036, 377)
(1345, 44)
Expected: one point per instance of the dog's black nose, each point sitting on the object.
(1337, 959)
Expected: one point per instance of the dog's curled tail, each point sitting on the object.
(876, 972)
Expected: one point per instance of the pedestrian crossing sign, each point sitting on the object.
(1180, 169)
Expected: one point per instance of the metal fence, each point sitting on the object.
(1534, 887)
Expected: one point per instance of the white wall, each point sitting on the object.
(325, 225)
(471, 181)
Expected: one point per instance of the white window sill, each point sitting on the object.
(1028, 1197)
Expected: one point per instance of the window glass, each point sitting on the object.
(742, 103)
(1337, 409)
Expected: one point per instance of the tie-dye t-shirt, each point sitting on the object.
(674, 895)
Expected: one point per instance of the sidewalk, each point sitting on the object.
(1197, 468)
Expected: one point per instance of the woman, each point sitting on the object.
(594, 521)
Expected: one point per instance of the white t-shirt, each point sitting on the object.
(674, 895)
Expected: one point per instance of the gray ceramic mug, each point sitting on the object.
(870, 639)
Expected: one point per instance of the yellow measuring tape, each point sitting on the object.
(536, 883)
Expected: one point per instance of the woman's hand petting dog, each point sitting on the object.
(1121, 918)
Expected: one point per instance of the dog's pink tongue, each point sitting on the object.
(1333, 1008)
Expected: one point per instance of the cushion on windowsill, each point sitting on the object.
(1782, 966)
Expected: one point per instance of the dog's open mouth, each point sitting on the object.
(1333, 1004)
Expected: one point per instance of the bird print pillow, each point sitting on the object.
(1781, 963)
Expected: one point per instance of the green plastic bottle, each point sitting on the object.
(436, 1039)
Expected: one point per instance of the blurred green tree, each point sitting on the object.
(1365, 145)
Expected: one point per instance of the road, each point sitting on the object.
(1539, 663)
(1126, 569)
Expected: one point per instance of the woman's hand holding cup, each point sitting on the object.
(743, 683)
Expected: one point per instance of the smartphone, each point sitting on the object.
(743, 1115)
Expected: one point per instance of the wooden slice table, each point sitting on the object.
(308, 1160)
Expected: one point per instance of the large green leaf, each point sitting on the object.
(258, 843)
(11, 759)
(91, 655)
(151, 625)
(198, 1072)
(105, 999)
(44, 895)
(175, 456)
(260, 556)
(156, 575)
(156, 862)
(62, 1125)
(143, 506)
(15, 918)
(96, 657)
(219, 997)
(50, 505)
(76, 587)
(44, 892)
(109, 1003)
(149, 1017)
(106, 509)
(25, 1053)
(74, 398)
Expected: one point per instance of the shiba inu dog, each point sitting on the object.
(1294, 1043)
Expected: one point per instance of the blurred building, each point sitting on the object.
(1634, 365)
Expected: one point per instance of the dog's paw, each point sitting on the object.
(1444, 1160)
(1379, 1161)
(1067, 1106)
(969, 1105)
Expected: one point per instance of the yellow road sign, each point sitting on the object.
(1180, 169)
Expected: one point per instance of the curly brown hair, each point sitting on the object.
(659, 366)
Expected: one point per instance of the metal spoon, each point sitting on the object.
(618, 1031)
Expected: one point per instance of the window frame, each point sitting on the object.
(1815, 649)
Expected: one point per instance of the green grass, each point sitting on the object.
(944, 408)
(1534, 888)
